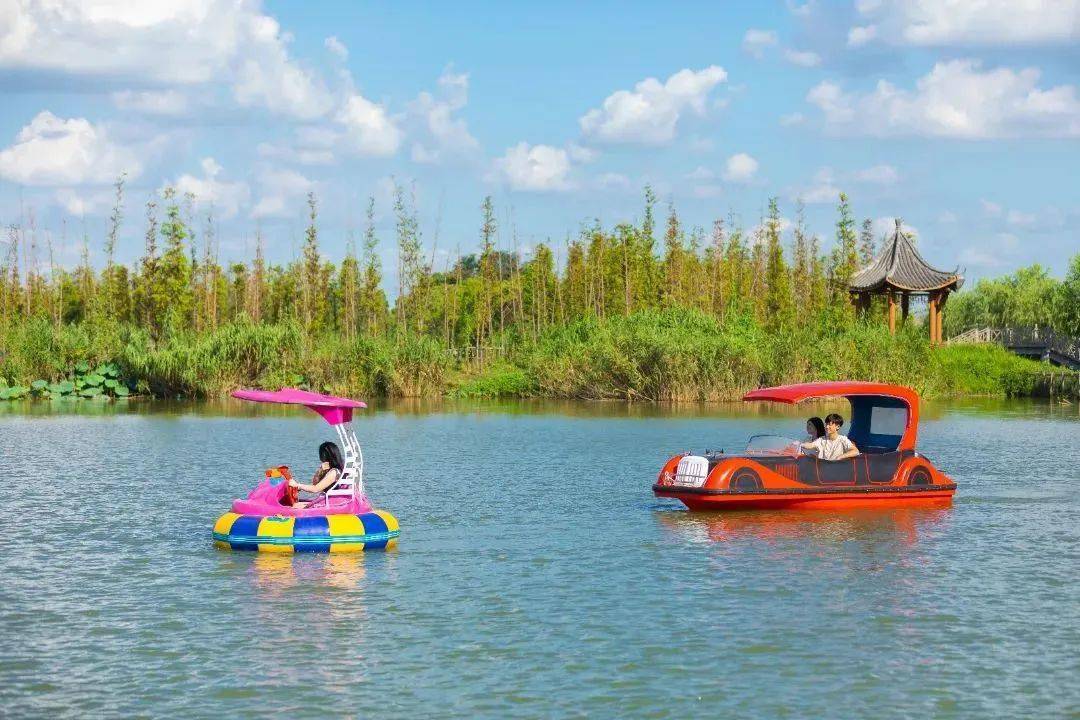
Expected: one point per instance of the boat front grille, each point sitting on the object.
(788, 471)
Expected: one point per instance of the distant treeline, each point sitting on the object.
(630, 311)
(1030, 297)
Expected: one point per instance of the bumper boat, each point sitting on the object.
(774, 472)
(339, 520)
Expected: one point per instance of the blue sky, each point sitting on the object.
(961, 116)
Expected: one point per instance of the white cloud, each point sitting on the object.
(795, 118)
(152, 102)
(1021, 219)
(740, 168)
(447, 134)
(948, 216)
(756, 41)
(52, 151)
(756, 234)
(858, 36)
(702, 144)
(884, 227)
(613, 181)
(975, 22)
(267, 77)
(581, 154)
(823, 188)
(990, 208)
(650, 112)
(956, 99)
(701, 173)
(535, 168)
(337, 48)
(282, 193)
(827, 183)
(803, 10)
(802, 58)
(83, 201)
(182, 42)
(369, 129)
(210, 191)
(878, 175)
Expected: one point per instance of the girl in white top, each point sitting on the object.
(833, 446)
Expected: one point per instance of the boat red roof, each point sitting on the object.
(335, 410)
(840, 388)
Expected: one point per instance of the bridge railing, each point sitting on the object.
(1023, 337)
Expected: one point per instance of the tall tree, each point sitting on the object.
(844, 259)
(373, 299)
(489, 272)
(866, 243)
(779, 306)
(315, 289)
(175, 272)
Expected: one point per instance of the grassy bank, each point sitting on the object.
(672, 355)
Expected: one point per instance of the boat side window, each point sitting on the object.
(883, 431)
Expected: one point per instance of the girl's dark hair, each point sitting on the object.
(329, 452)
(819, 426)
(834, 419)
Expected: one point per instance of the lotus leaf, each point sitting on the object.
(39, 384)
(110, 383)
(67, 386)
(94, 380)
(82, 367)
(91, 392)
(122, 391)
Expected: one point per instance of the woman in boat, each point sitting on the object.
(329, 472)
(815, 428)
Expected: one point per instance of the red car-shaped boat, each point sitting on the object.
(774, 472)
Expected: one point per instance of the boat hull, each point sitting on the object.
(704, 499)
(376, 530)
(741, 483)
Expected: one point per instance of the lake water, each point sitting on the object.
(536, 574)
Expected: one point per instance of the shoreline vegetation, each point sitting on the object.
(629, 313)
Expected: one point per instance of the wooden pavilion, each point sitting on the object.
(900, 272)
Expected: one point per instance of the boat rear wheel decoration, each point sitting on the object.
(920, 476)
(746, 479)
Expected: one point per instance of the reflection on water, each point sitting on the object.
(868, 527)
(536, 575)
(419, 407)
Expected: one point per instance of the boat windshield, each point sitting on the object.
(773, 445)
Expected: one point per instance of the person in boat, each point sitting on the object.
(833, 445)
(329, 472)
(815, 428)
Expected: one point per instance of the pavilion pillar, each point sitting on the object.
(905, 302)
(892, 312)
(933, 319)
(941, 315)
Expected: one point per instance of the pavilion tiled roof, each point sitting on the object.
(901, 267)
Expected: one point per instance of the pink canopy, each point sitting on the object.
(334, 410)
